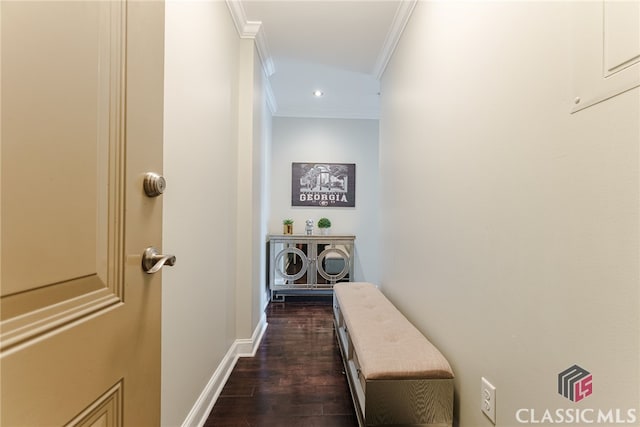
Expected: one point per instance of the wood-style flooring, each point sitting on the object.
(296, 378)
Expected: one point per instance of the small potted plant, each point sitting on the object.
(324, 225)
(287, 226)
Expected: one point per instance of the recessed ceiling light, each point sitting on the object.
(318, 93)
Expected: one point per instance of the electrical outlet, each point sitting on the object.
(488, 399)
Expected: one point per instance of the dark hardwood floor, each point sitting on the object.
(296, 377)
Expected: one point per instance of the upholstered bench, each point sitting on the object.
(396, 376)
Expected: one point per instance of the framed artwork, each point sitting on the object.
(329, 185)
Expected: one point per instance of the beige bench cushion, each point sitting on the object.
(388, 346)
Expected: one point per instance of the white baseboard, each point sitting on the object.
(240, 348)
(248, 347)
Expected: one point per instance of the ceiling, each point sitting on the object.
(337, 46)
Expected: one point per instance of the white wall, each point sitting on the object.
(201, 61)
(509, 226)
(330, 141)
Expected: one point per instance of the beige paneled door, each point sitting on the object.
(82, 107)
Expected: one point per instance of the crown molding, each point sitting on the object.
(403, 13)
(251, 30)
(265, 55)
(270, 96)
(240, 18)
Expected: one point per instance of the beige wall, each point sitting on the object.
(201, 75)
(254, 136)
(509, 226)
(213, 102)
(262, 145)
(245, 216)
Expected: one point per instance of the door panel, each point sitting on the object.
(82, 113)
(621, 35)
(60, 228)
(52, 117)
(606, 50)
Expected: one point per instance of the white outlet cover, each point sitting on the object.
(488, 399)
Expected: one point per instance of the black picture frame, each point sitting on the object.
(325, 185)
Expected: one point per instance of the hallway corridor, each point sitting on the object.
(296, 377)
